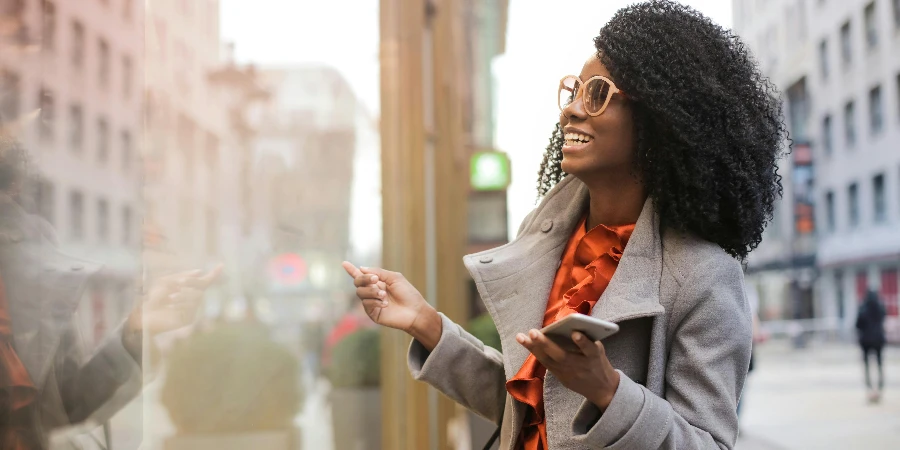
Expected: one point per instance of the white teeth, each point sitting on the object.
(576, 138)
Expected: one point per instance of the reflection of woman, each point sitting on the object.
(661, 173)
(46, 383)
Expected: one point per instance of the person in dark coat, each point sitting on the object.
(870, 327)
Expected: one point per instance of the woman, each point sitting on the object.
(660, 176)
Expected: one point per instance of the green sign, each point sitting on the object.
(489, 171)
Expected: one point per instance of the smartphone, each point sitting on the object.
(595, 329)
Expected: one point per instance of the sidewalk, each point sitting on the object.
(815, 398)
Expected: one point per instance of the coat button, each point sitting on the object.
(486, 259)
(546, 225)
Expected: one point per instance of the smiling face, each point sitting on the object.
(602, 145)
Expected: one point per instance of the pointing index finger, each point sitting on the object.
(351, 269)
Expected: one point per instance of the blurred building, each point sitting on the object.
(80, 64)
(837, 231)
(304, 150)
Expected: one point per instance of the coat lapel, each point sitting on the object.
(634, 289)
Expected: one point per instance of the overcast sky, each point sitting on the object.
(545, 40)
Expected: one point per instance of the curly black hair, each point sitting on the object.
(709, 127)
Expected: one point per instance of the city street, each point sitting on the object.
(815, 398)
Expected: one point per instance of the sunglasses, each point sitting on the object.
(595, 93)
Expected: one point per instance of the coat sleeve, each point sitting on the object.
(464, 369)
(707, 364)
(89, 386)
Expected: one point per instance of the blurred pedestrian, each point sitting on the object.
(660, 175)
(870, 327)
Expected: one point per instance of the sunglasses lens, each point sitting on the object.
(568, 88)
(595, 94)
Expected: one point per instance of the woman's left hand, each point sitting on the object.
(588, 373)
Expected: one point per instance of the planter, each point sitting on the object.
(356, 418)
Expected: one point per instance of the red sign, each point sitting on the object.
(288, 269)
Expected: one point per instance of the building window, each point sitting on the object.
(849, 124)
(77, 44)
(846, 49)
(9, 95)
(823, 58)
(48, 26)
(126, 225)
(853, 204)
(829, 212)
(103, 68)
(898, 92)
(102, 220)
(127, 74)
(102, 140)
(45, 122)
(76, 214)
(871, 26)
(126, 150)
(827, 140)
(76, 128)
(45, 199)
(890, 294)
(876, 116)
(879, 203)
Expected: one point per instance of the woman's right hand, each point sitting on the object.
(390, 300)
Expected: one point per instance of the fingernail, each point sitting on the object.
(533, 334)
(520, 338)
(374, 279)
(363, 268)
(384, 303)
(577, 336)
(381, 293)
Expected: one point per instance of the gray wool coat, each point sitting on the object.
(682, 351)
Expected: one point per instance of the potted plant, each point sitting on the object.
(355, 375)
(232, 384)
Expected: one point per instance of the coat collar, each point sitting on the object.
(514, 280)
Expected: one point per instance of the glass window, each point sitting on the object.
(45, 122)
(827, 140)
(871, 26)
(76, 214)
(823, 58)
(77, 44)
(48, 27)
(103, 63)
(880, 206)
(102, 220)
(853, 204)
(846, 48)
(102, 140)
(849, 124)
(876, 119)
(829, 211)
(76, 128)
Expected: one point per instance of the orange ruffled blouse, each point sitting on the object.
(588, 264)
